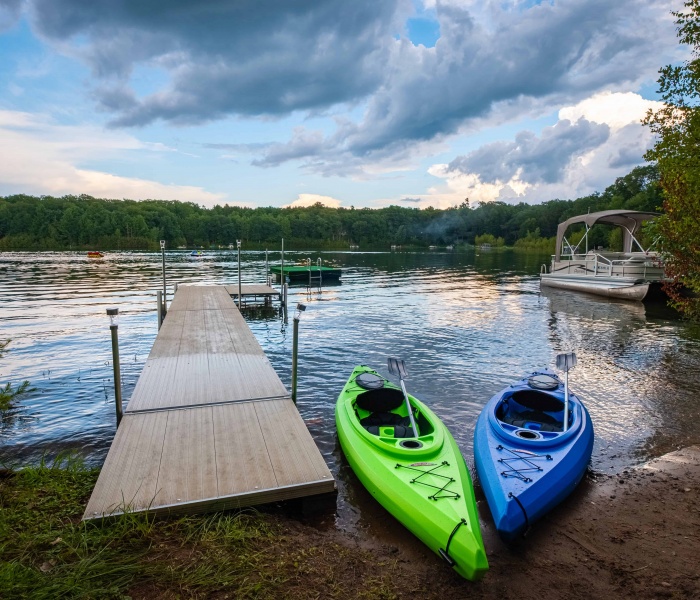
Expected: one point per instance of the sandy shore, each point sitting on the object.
(632, 535)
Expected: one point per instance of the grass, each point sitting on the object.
(46, 551)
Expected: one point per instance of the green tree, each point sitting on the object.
(677, 156)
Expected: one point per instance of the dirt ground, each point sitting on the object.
(632, 535)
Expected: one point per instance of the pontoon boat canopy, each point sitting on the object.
(630, 221)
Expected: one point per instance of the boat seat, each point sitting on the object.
(380, 400)
(399, 431)
(535, 425)
(381, 420)
(532, 419)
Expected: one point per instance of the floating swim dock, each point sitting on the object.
(254, 293)
(210, 426)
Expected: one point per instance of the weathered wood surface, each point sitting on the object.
(252, 290)
(209, 425)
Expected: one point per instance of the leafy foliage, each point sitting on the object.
(83, 222)
(677, 155)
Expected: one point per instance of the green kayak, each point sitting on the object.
(423, 481)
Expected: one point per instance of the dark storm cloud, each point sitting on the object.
(266, 57)
(9, 13)
(566, 51)
(537, 160)
(569, 49)
(248, 57)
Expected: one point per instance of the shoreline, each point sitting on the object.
(631, 535)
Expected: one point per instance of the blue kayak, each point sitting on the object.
(527, 462)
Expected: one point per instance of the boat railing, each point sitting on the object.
(597, 265)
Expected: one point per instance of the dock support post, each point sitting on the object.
(165, 294)
(159, 302)
(282, 279)
(113, 314)
(295, 347)
(240, 298)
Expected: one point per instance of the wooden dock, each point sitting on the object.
(254, 293)
(209, 426)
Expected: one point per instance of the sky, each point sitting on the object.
(359, 103)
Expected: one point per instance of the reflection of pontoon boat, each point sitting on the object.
(627, 274)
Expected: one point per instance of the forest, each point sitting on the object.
(83, 222)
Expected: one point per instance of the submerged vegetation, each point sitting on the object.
(47, 552)
(83, 222)
(8, 392)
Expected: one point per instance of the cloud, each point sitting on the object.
(614, 109)
(9, 13)
(43, 157)
(567, 160)
(221, 58)
(311, 199)
(533, 159)
(491, 64)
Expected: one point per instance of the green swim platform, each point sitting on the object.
(301, 272)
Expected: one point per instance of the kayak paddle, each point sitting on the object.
(398, 367)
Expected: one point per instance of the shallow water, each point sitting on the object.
(467, 324)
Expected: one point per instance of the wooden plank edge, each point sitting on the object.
(252, 498)
(140, 411)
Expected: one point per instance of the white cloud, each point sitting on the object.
(613, 109)
(561, 162)
(43, 157)
(311, 199)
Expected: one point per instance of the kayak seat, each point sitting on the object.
(378, 419)
(536, 426)
(399, 431)
(381, 420)
(380, 400)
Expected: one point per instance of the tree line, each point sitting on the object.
(83, 222)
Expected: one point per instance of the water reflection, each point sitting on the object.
(465, 323)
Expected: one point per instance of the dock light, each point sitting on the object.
(295, 347)
(238, 244)
(113, 314)
(162, 244)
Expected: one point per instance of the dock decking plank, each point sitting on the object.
(242, 461)
(190, 471)
(284, 429)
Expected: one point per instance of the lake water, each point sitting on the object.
(467, 325)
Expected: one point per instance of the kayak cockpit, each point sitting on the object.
(531, 409)
(382, 412)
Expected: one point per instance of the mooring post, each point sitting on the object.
(295, 347)
(267, 270)
(282, 279)
(165, 295)
(159, 301)
(113, 314)
(240, 298)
